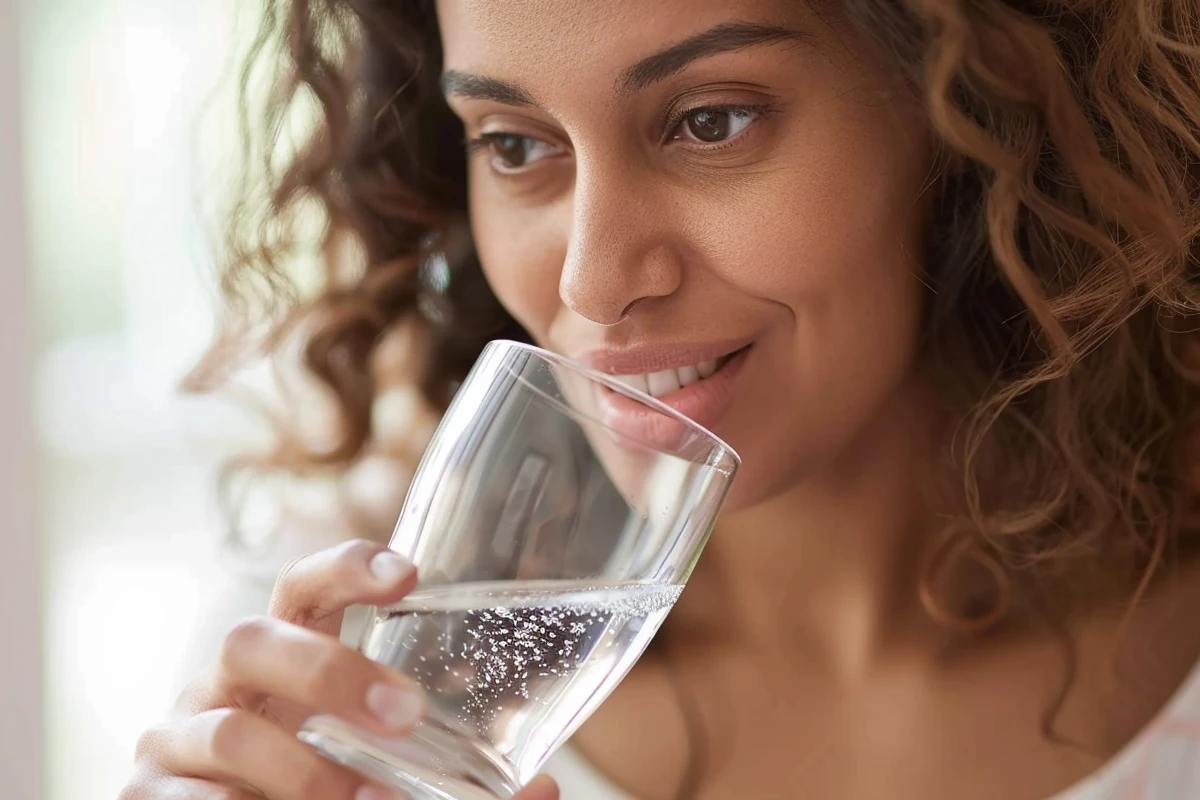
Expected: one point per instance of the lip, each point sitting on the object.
(655, 358)
(705, 402)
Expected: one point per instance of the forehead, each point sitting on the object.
(553, 41)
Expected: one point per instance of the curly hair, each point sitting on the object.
(1062, 268)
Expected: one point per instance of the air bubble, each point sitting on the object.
(530, 654)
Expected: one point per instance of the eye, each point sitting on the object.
(714, 125)
(512, 152)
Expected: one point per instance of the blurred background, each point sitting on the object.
(108, 94)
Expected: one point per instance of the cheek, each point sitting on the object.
(522, 251)
(833, 215)
(832, 240)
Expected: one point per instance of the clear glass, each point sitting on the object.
(554, 521)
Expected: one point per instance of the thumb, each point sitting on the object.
(314, 591)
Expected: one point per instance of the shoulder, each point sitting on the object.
(578, 779)
(1162, 761)
(1158, 662)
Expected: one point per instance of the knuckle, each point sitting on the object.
(136, 789)
(200, 694)
(248, 634)
(227, 734)
(148, 786)
(150, 744)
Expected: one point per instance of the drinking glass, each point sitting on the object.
(554, 521)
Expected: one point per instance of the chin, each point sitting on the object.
(765, 473)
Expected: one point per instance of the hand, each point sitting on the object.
(233, 734)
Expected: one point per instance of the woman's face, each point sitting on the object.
(720, 199)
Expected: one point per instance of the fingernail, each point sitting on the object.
(394, 706)
(377, 793)
(390, 568)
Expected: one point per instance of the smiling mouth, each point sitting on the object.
(664, 382)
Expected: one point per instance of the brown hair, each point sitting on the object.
(1062, 269)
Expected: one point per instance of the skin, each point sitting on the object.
(800, 640)
(606, 228)
(233, 736)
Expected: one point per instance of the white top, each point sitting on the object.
(1161, 763)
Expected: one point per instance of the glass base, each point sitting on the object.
(431, 764)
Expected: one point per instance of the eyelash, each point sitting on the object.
(671, 125)
(676, 118)
(485, 140)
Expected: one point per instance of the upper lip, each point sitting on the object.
(644, 359)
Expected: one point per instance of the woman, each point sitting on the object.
(944, 251)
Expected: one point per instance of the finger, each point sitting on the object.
(313, 591)
(242, 749)
(172, 787)
(542, 787)
(264, 656)
(203, 693)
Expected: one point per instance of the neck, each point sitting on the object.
(829, 568)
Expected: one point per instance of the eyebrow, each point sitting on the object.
(724, 38)
(481, 87)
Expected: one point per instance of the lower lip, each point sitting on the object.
(705, 402)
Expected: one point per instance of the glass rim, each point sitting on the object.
(615, 385)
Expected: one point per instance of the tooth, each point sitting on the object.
(663, 383)
(706, 368)
(634, 382)
(687, 376)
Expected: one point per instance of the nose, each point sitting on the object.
(620, 252)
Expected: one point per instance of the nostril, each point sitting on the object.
(599, 319)
(594, 306)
